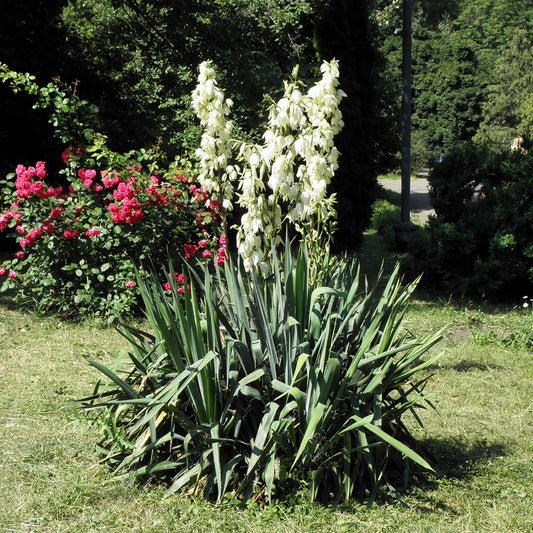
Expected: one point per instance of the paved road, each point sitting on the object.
(420, 204)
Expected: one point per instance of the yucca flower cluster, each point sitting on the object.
(215, 152)
(297, 160)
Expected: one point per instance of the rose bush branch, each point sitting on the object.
(72, 118)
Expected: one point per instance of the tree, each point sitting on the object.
(448, 95)
(29, 41)
(505, 109)
(344, 34)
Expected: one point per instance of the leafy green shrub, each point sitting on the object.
(482, 235)
(81, 236)
(78, 247)
(251, 386)
(385, 216)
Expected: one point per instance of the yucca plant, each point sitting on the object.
(248, 385)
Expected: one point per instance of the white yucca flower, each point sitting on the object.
(215, 150)
(297, 160)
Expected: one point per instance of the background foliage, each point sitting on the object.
(137, 61)
(471, 75)
(483, 201)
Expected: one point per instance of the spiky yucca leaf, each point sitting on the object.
(247, 382)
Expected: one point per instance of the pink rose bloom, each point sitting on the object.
(37, 187)
(21, 230)
(118, 217)
(206, 253)
(108, 183)
(190, 250)
(215, 206)
(130, 284)
(12, 274)
(135, 217)
(87, 183)
(154, 179)
(64, 155)
(40, 169)
(97, 188)
(2, 271)
(34, 235)
(24, 242)
(71, 233)
(124, 190)
(90, 174)
(20, 255)
(56, 213)
(48, 227)
(203, 242)
(92, 232)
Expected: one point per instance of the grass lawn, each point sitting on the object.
(480, 440)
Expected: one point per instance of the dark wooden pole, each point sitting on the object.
(404, 230)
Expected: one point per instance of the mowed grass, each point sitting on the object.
(480, 440)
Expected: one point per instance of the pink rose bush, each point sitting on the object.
(82, 243)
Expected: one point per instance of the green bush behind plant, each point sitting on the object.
(82, 261)
(255, 386)
(482, 235)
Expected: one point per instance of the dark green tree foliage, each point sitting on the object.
(465, 60)
(501, 35)
(505, 107)
(147, 54)
(482, 235)
(491, 24)
(386, 18)
(447, 95)
(344, 34)
(388, 96)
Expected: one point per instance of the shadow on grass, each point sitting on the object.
(453, 460)
(467, 366)
(457, 459)
(374, 254)
(6, 300)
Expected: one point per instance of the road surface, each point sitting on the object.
(420, 204)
